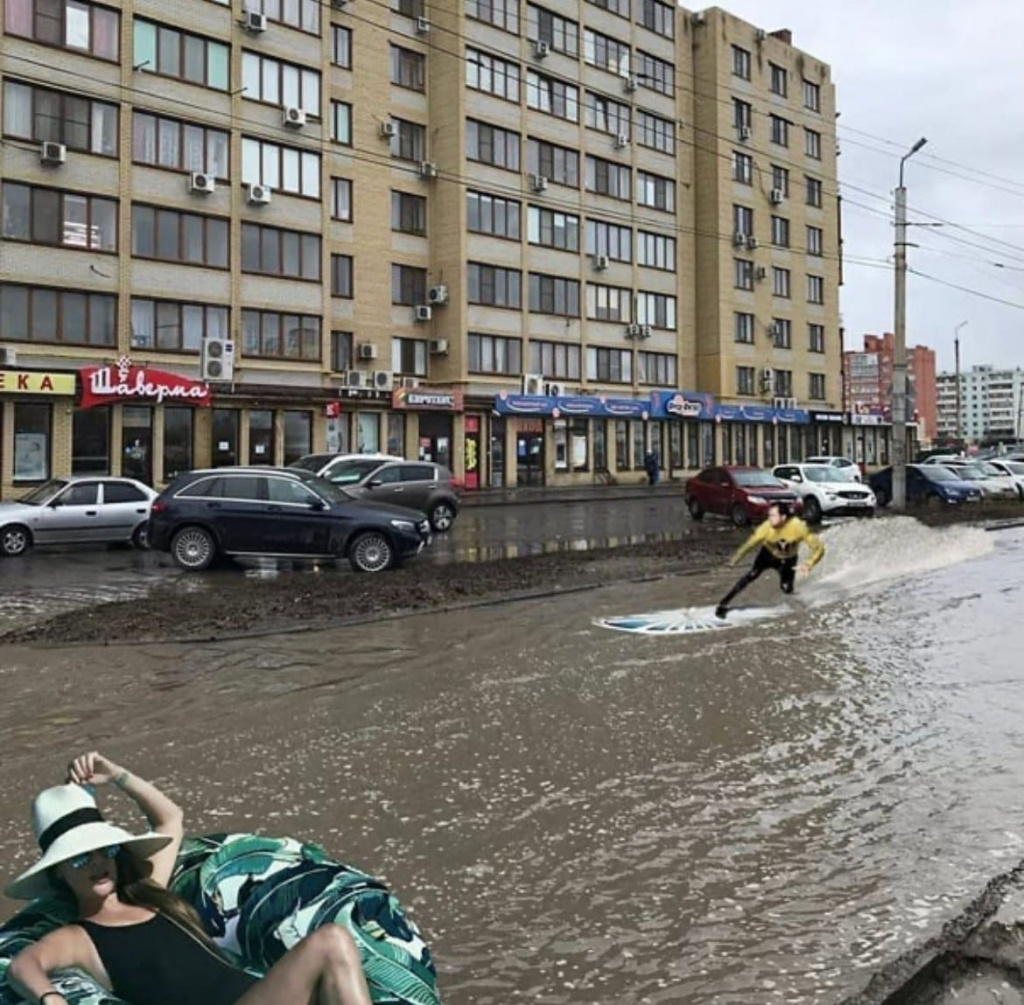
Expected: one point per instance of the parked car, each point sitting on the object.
(993, 483)
(824, 489)
(742, 494)
(279, 513)
(77, 511)
(849, 469)
(942, 459)
(1012, 469)
(321, 464)
(925, 483)
(423, 485)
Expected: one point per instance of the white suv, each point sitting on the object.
(825, 490)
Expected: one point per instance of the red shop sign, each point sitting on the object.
(104, 385)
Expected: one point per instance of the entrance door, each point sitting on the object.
(436, 439)
(261, 437)
(137, 443)
(529, 458)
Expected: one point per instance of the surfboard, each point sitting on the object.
(688, 620)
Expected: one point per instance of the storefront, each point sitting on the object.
(432, 412)
(761, 436)
(687, 434)
(871, 440)
(825, 434)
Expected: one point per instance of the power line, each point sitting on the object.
(967, 289)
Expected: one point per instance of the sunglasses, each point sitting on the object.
(81, 861)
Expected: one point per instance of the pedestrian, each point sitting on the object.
(652, 466)
(779, 538)
(133, 935)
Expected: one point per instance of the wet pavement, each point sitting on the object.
(760, 814)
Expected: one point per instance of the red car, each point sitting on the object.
(742, 494)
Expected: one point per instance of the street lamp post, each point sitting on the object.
(899, 352)
(956, 361)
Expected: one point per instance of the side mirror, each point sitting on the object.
(374, 483)
(54, 503)
(797, 477)
(318, 504)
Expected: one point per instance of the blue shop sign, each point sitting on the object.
(572, 407)
(682, 405)
(761, 413)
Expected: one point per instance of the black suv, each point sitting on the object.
(279, 513)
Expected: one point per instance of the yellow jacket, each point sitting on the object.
(783, 542)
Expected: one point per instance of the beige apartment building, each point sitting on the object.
(494, 233)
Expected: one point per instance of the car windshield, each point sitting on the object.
(1014, 467)
(332, 493)
(755, 479)
(44, 493)
(971, 473)
(824, 475)
(990, 469)
(938, 474)
(312, 462)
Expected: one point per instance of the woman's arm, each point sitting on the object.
(30, 970)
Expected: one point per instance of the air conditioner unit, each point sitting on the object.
(739, 239)
(541, 48)
(554, 390)
(632, 331)
(773, 329)
(533, 383)
(204, 184)
(382, 380)
(355, 378)
(438, 347)
(600, 262)
(428, 170)
(254, 21)
(645, 331)
(421, 312)
(698, 17)
(629, 84)
(53, 153)
(752, 243)
(388, 129)
(745, 133)
(408, 382)
(761, 272)
(217, 362)
(8, 356)
(621, 141)
(422, 25)
(767, 373)
(257, 195)
(294, 118)
(367, 350)
(775, 197)
(760, 35)
(538, 183)
(438, 294)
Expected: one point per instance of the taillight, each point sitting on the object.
(158, 506)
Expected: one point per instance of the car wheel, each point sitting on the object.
(15, 540)
(194, 548)
(442, 516)
(812, 510)
(740, 517)
(695, 508)
(140, 538)
(371, 551)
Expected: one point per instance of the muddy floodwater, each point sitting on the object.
(573, 815)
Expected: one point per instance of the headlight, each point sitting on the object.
(831, 496)
(758, 500)
(404, 525)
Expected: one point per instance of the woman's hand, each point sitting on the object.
(92, 769)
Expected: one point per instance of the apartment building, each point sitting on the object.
(991, 401)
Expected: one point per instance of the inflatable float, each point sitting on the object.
(258, 897)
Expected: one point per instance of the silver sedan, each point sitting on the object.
(77, 511)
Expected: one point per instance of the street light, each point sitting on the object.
(956, 358)
(899, 352)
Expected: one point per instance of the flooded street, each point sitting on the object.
(573, 815)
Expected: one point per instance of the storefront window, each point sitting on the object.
(561, 444)
(727, 441)
(369, 432)
(90, 441)
(436, 438)
(796, 442)
(137, 443)
(675, 445)
(782, 434)
(871, 447)
(884, 437)
(769, 446)
(261, 436)
(298, 435)
(578, 437)
(339, 434)
(708, 438)
(177, 441)
(497, 452)
(741, 445)
(225, 437)
(396, 434)
(600, 445)
(31, 442)
(639, 445)
(693, 447)
(752, 435)
(621, 445)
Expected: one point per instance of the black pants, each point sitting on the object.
(765, 560)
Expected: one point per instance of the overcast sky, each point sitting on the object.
(950, 70)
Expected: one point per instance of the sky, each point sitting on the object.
(949, 70)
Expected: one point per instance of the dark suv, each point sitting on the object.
(279, 513)
(421, 484)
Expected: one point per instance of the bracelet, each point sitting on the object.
(120, 782)
(50, 994)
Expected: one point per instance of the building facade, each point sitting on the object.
(483, 233)
(991, 405)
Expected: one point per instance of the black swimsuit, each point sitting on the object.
(158, 962)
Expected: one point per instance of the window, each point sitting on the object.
(782, 383)
(655, 191)
(742, 168)
(410, 8)
(492, 286)
(743, 328)
(409, 356)
(271, 335)
(64, 219)
(491, 145)
(779, 130)
(341, 46)
(744, 278)
(282, 169)
(778, 80)
(90, 444)
(341, 351)
(555, 360)
(780, 180)
(741, 62)
(656, 309)
(493, 75)
(656, 133)
(489, 214)
(501, 13)
(342, 280)
(608, 178)
(551, 229)
(812, 96)
(620, 7)
(170, 326)
(609, 239)
(655, 74)
(815, 290)
(603, 114)
(494, 354)
(658, 368)
(814, 241)
(744, 380)
(67, 24)
(553, 97)
(609, 366)
(186, 238)
(277, 83)
(408, 285)
(301, 14)
(782, 333)
(780, 232)
(621, 445)
(177, 441)
(743, 220)
(409, 142)
(608, 303)
(781, 279)
(812, 144)
(408, 68)
(271, 251)
(657, 17)
(605, 53)
(39, 114)
(554, 295)
(816, 338)
(816, 386)
(560, 165)
(656, 251)
(180, 146)
(408, 213)
(341, 199)
(341, 123)
(32, 441)
(41, 314)
(813, 192)
(743, 117)
(169, 52)
(560, 33)
(298, 441)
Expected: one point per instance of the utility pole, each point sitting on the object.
(956, 357)
(899, 352)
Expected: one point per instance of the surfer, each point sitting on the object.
(779, 538)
